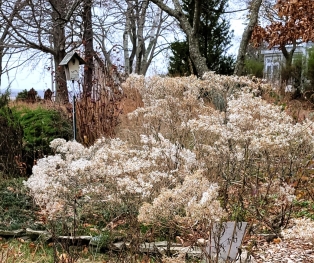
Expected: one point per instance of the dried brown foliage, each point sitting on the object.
(296, 24)
(98, 114)
(31, 95)
(99, 117)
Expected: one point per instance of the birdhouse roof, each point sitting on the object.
(68, 58)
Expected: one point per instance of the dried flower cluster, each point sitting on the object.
(179, 259)
(251, 148)
(193, 200)
(193, 142)
(303, 229)
(107, 171)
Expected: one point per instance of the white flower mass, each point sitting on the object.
(174, 153)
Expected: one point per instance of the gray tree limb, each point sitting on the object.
(239, 67)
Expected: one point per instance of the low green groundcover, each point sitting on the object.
(17, 209)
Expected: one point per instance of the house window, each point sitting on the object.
(272, 69)
(276, 71)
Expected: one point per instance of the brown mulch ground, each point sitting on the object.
(284, 251)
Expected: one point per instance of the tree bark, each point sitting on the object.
(62, 95)
(191, 31)
(149, 51)
(141, 24)
(59, 43)
(198, 60)
(1, 56)
(140, 51)
(89, 48)
(286, 71)
(239, 67)
(126, 41)
(289, 54)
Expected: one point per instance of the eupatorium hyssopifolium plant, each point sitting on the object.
(178, 145)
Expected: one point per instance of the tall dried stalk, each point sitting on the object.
(98, 114)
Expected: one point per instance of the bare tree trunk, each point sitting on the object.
(126, 41)
(1, 56)
(89, 49)
(286, 71)
(198, 60)
(129, 32)
(58, 35)
(191, 31)
(141, 15)
(239, 67)
(141, 25)
(149, 52)
(62, 95)
(289, 54)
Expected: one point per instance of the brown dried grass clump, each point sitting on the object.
(45, 104)
(98, 117)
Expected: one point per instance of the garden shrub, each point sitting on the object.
(180, 164)
(246, 148)
(4, 99)
(254, 67)
(309, 77)
(22, 95)
(10, 139)
(40, 127)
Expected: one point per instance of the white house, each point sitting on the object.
(274, 59)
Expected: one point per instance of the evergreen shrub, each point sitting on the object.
(40, 127)
(10, 139)
(254, 67)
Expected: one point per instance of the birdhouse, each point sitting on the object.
(71, 63)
